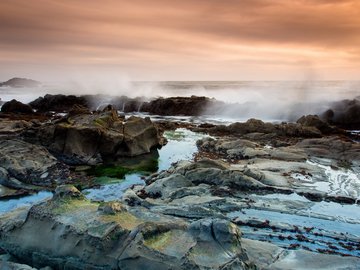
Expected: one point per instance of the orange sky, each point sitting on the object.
(181, 40)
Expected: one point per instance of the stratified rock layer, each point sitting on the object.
(89, 138)
(79, 234)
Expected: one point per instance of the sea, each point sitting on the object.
(265, 100)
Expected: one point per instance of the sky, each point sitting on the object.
(180, 40)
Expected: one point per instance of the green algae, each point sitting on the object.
(112, 171)
(174, 135)
(115, 171)
(159, 241)
(67, 205)
(124, 219)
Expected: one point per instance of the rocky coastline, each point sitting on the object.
(236, 204)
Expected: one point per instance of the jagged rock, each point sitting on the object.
(15, 106)
(344, 114)
(67, 191)
(78, 109)
(255, 126)
(315, 121)
(30, 164)
(177, 105)
(75, 235)
(90, 138)
(336, 148)
(111, 208)
(8, 126)
(57, 103)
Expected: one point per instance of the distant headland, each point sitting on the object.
(20, 82)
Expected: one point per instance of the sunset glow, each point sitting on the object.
(181, 40)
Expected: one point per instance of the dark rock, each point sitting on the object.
(15, 106)
(90, 138)
(315, 121)
(177, 105)
(58, 103)
(30, 165)
(79, 109)
(344, 114)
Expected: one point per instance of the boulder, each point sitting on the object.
(58, 103)
(90, 138)
(177, 105)
(344, 114)
(315, 121)
(15, 106)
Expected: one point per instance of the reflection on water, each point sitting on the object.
(6, 206)
(181, 146)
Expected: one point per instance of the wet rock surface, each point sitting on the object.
(89, 138)
(23, 164)
(295, 185)
(76, 235)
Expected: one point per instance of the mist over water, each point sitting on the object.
(266, 100)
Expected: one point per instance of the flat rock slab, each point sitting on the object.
(29, 164)
(80, 234)
(272, 257)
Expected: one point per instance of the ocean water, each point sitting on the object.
(266, 100)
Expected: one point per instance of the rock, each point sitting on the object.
(269, 256)
(256, 126)
(140, 135)
(67, 191)
(20, 82)
(92, 138)
(30, 164)
(334, 147)
(237, 149)
(6, 265)
(15, 106)
(111, 208)
(177, 105)
(344, 114)
(198, 178)
(9, 127)
(58, 103)
(75, 235)
(78, 109)
(315, 121)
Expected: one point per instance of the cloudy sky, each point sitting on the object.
(181, 40)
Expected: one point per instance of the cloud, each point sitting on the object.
(175, 34)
